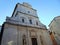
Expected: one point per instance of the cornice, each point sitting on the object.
(24, 25)
(27, 14)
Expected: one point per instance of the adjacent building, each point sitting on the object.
(0, 29)
(24, 28)
(54, 28)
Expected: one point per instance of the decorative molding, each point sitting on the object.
(25, 26)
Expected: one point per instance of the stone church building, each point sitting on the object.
(24, 28)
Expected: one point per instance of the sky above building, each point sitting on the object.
(46, 9)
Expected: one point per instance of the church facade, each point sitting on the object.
(24, 28)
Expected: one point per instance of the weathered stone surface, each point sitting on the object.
(18, 33)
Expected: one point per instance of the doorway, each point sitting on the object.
(34, 41)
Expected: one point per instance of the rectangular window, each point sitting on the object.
(36, 23)
(30, 21)
(23, 20)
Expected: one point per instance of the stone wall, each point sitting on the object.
(14, 34)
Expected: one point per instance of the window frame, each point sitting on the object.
(23, 20)
(36, 22)
(30, 21)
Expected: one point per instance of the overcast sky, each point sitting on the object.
(46, 9)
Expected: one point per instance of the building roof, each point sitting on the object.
(54, 19)
(24, 4)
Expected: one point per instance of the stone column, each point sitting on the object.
(38, 39)
(29, 38)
